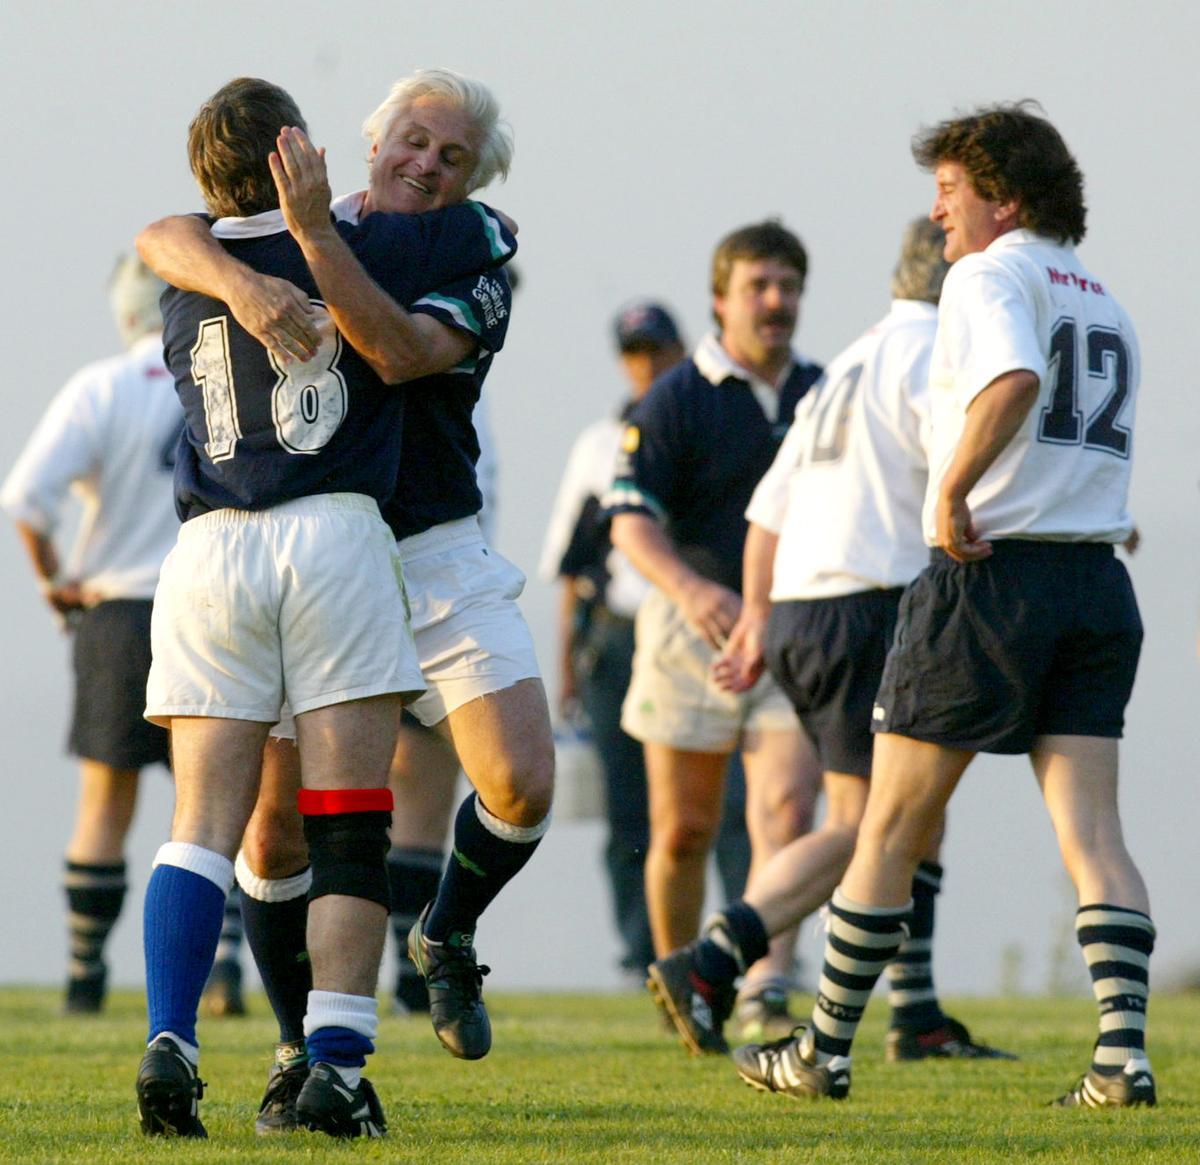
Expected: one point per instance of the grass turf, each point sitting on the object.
(594, 1078)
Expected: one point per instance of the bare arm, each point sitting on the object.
(709, 608)
(64, 596)
(741, 663)
(276, 313)
(993, 419)
(398, 345)
(568, 685)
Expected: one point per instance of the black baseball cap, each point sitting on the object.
(645, 324)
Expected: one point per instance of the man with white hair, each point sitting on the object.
(285, 581)
(109, 438)
(435, 139)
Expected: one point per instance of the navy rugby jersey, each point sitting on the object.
(439, 450)
(259, 433)
(694, 448)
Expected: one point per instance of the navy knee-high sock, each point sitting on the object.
(488, 853)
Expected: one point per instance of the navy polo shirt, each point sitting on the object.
(694, 448)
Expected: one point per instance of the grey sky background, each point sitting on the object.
(644, 132)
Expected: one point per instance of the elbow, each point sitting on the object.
(391, 372)
(398, 365)
(623, 532)
(392, 366)
(144, 244)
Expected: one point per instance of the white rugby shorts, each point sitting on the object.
(672, 698)
(303, 601)
(471, 637)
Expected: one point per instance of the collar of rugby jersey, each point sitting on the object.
(717, 366)
(347, 208)
(254, 226)
(913, 309)
(1023, 237)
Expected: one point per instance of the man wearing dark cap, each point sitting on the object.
(601, 593)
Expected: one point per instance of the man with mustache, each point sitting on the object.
(692, 452)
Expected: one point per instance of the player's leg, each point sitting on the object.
(94, 876)
(783, 777)
(110, 659)
(484, 693)
(345, 752)
(918, 1028)
(793, 883)
(1078, 779)
(504, 743)
(424, 783)
(802, 875)
(685, 813)
(274, 876)
(685, 801)
(217, 765)
(911, 781)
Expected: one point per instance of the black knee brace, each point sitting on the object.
(347, 835)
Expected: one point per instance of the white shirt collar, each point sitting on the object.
(913, 309)
(254, 226)
(1023, 237)
(716, 365)
(347, 207)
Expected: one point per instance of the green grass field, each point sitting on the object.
(594, 1078)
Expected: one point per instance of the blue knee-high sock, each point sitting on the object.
(185, 903)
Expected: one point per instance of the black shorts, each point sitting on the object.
(1040, 638)
(827, 655)
(112, 660)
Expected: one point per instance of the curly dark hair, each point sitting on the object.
(1009, 152)
(229, 141)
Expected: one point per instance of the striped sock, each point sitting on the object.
(1116, 945)
(862, 941)
(913, 1000)
(94, 898)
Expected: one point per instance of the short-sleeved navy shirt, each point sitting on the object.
(694, 448)
(439, 450)
(259, 433)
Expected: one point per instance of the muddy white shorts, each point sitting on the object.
(303, 601)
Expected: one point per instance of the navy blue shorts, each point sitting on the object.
(827, 655)
(1041, 638)
(112, 660)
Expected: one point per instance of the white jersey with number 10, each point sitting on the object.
(844, 493)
